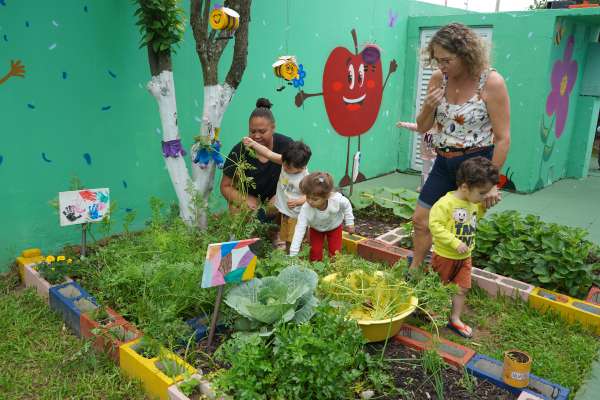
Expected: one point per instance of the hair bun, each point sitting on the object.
(263, 103)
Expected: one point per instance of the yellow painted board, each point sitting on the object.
(33, 252)
(155, 382)
(350, 242)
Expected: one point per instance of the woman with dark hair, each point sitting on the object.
(264, 173)
(467, 106)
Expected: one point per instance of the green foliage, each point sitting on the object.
(553, 256)
(99, 314)
(161, 23)
(321, 359)
(170, 367)
(188, 385)
(400, 201)
(270, 301)
(538, 4)
(56, 271)
(40, 360)
(433, 365)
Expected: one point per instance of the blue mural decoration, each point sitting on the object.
(88, 158)
(106, 108)
(1, 159)
(64, 75)
(45, 158)
(112, 73)
(31, 106)
(124, 183)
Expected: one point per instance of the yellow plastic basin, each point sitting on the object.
(378, 330)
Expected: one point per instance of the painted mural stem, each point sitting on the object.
(216, 101)
(162, 87)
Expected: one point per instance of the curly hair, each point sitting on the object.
(318, 184)
(477, 172)
(462, 41)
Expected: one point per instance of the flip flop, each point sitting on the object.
(461, 330)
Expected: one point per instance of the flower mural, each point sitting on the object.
(564, 75)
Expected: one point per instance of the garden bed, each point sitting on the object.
(414, 382)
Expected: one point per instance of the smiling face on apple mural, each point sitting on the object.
(352, 89)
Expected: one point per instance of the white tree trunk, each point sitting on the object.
(216, 101)
(162, 87)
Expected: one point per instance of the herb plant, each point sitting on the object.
(553, 256)
(326, 356)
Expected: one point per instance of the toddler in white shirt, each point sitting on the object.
(324, 212)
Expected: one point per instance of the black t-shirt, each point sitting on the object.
(266, 174)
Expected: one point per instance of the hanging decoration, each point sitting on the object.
(286, 67)
(224, 18)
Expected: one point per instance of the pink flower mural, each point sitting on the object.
(564, 75)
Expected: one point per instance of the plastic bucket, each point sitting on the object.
(517, 365)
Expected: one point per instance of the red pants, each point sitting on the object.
(316, 238)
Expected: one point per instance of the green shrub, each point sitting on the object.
(553, 256)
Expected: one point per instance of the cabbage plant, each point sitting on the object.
(273, 300)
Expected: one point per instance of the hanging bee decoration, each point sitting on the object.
(224, 19)
(287, 68)
(558, 35)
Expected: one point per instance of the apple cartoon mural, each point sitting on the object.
(352, 92)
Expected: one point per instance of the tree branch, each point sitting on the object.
(240, 49)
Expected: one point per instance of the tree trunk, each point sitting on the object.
(162, 87)
(216, 100)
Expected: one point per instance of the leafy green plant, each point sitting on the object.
(267, 302)
(400, 201)
(553, 256)
(100, 315)
(148, 347)
(326, 356)
(189, 385)
(161, 23)
(169, 366)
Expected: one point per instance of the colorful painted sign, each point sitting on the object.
(229, 262)
(83, 206)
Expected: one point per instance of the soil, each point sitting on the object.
(370, 224)
(411, 378)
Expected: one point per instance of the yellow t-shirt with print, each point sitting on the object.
(452, 221)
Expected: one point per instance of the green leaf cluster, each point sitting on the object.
(549, 255)
(400, 201)
(321, 359)
(161, 23)
(273, 300)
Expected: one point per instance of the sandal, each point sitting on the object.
(463, 330)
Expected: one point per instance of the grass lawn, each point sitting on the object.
(41, 360)
(562, 353)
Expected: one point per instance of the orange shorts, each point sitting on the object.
(455, 271)
(287, 228)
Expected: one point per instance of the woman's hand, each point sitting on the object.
(434, 98)
(252, 202)
(296, 202)
(492, 197)
(248, 142)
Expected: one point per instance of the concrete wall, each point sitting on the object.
(82, 110)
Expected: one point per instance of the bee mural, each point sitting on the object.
(286, 67)
(224, 18)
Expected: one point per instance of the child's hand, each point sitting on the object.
(248, 142)
(295, 202)
(462, 248)
(350, 228)
(406, 125)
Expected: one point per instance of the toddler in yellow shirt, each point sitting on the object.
(453, 222)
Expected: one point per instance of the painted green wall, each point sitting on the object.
(82, 109)
(523, 51)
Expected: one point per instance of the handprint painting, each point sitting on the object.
(229, 262)
(83, 206)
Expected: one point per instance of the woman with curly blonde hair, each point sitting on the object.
(467, 106)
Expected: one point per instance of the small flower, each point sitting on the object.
(460, 119)
(52, 268)
(50, 259)
(564, 75)
(299, 80)
(69, 261)
(61, 258)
